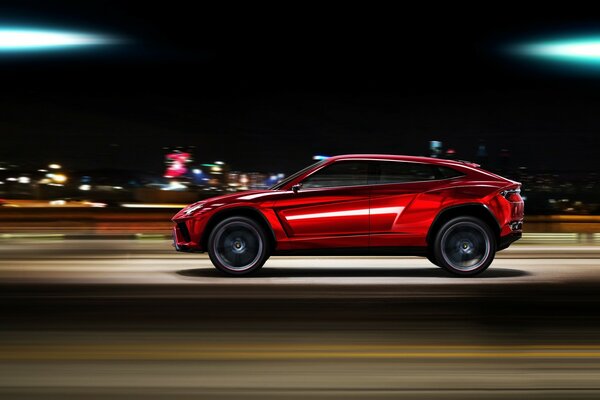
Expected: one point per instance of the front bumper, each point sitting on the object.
(185, 236)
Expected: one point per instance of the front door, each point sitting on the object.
(330, 210)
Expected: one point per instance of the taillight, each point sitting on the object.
(516, 205)
(512, 195)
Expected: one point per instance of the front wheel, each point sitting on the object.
(238, 246)
(464, 246)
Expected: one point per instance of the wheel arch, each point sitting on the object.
(476, 210)
(243, 211)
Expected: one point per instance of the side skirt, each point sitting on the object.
(356, 251)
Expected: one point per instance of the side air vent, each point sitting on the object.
(184, 231)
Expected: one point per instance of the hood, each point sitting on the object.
(217, 201)
(247, 195)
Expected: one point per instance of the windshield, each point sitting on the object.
(290, 178)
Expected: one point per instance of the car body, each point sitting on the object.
(361, 204)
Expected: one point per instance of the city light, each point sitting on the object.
(320, 157)
(59, 178)
(22, 39)
(174, 185)
(54, 166)
(176, 164)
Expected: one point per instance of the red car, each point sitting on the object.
(452, 212)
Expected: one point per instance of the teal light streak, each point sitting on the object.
(31, 40)
(584, 51)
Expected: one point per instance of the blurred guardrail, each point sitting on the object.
(100, 221)
(154, 222)
(561, 229)
(560, 238)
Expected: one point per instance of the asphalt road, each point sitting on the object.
(132, 319)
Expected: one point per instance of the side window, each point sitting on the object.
(449, 172)
(341, 173)
(402, 172)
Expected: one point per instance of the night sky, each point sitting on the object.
(266, 88)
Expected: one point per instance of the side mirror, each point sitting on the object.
(296, 187)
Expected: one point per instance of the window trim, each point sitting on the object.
(296, 175)
(331, 164)
(462, 175)
(377, 184)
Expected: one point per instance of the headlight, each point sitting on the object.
(192, 209)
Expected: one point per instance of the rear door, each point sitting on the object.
(394, 220)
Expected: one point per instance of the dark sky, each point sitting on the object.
(266, 88)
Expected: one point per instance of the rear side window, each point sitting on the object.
(449, 173)
(341, 173)
(401, 172)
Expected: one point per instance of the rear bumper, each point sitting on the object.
(507, 240)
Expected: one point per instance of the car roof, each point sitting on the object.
(396, 157)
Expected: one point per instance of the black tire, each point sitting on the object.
(464, 246)
(238, 246)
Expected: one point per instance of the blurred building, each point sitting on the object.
(545, 191)
(216, 175)
(481, 156)
(504, 161)
(176, 162)
(435, 148)
(451, 154)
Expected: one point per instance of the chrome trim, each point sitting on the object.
(505, 193)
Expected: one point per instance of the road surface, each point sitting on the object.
(132, 319)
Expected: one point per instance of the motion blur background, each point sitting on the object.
(114, 115)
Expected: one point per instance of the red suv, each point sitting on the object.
(452, 212)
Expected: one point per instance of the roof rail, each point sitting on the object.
(469, 163)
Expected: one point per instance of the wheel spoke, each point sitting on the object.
(465, 246)
(238, 246)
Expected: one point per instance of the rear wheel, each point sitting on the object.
(464, 246)
(238, 246)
